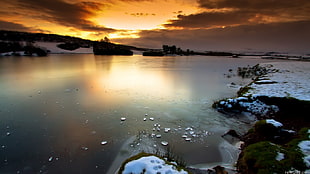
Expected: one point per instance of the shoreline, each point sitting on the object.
(280, 94)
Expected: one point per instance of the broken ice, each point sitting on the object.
(104, 142)
(167, 130)
(50, 159)
(164, 143)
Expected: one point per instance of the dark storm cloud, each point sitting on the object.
(206, 20)
(283, 37)
(253, 4)
(4, 25)
(67, 14)
(239, 12)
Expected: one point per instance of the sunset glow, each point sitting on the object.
(145, 21)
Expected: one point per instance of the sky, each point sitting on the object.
(205, 25)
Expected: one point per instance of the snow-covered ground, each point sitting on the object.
(305, 149)
(52, 46)
(150, 165)
(292, 79)
(284, 79)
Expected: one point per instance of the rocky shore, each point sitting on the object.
(278, 99)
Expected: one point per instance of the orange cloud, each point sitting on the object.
(218, 13)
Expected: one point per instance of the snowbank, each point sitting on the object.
(291, 79)
(283, 80)
(150, 165)
(246, 104)
(274, 123)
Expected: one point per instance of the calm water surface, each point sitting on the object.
(55, 111)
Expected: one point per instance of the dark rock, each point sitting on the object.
(198, 171)
(153, 53)
(231, 136)
(232, 133)
(220, 170)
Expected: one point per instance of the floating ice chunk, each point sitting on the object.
(84, 148)
(104, 142)
(274, 123)
(93, 132)
(50, 159)
(167, 130)
(123, 118)
(189, 129)
(164, 143)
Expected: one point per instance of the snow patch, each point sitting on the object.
(305, 149)
(150, 164)
(290, 79)
(274, 123)
(247, 104)
(280, 156)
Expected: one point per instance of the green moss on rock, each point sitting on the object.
(265, 130)
(261, 158)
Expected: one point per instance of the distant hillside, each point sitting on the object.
(32, 37)
(40, 37)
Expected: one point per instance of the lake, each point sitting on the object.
(63, 113)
